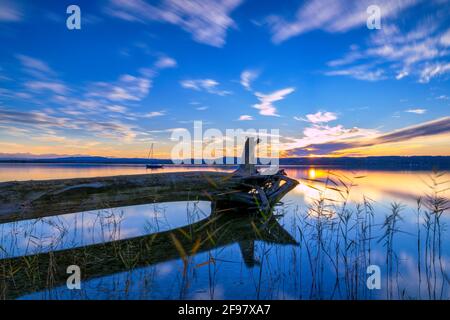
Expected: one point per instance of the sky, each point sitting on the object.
(137, 71)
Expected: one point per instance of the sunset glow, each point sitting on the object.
(351, 91)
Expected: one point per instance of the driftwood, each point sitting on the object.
(36, 199)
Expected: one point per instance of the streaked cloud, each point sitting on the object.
(41, 79)
(319, 117)
(265, 105)
(419, 50)
(401, 75)
(247, 77)
(126, 88)
(325, 146)
(332, 16)
(445, 38)
(35, 67)
(320, 134)
(245, 117)
(434, 70)
(102, 112)
(206, 20)
(154, 114)
(429, 128)
(40, 86)
(44, 123)
(416, 111)
(117, 109)
(360, 72)
(10, 12)
(165, 62)
(208, 85)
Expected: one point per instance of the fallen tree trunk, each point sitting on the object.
(36, 199)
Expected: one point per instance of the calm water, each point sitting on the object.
(21, 172)
(329, 229)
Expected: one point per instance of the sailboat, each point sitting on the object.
(152, 165)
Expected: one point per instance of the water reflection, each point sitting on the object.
(224, 227)
(23, 172)
(383, 186)
(317, 245)
(28, 237)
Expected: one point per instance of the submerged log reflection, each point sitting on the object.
(38, 272)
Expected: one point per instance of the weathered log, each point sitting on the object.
(35, 199)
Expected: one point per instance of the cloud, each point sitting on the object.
(415, 50)
(434, 70)
(39, 86)
(199, 84)
(9, 12)
(32, 118)
(320, 134)
(154, 114)
(429, 128)
(245, 118)
(266, 107)
(126, 88)
(349, 58)
(206, 20)
(42, 77)
(319, 117)
(117, 109)
(165, 62)
(401, 75)
(445, 38)
(347, 141)
(33, 64)
(43, 123)
(332, 16)
(208, 85)
(361, 72)
(101, 110)
(416, 111)
(247, 77)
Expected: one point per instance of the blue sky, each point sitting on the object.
(137, 70)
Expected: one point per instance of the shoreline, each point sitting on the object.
(372, 166)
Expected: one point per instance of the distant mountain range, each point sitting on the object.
(85, 159)
(30, 156)
(388, 162)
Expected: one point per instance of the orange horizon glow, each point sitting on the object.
(422, 146)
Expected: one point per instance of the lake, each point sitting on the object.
(319, 244)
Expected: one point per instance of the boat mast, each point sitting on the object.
(150, 153)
